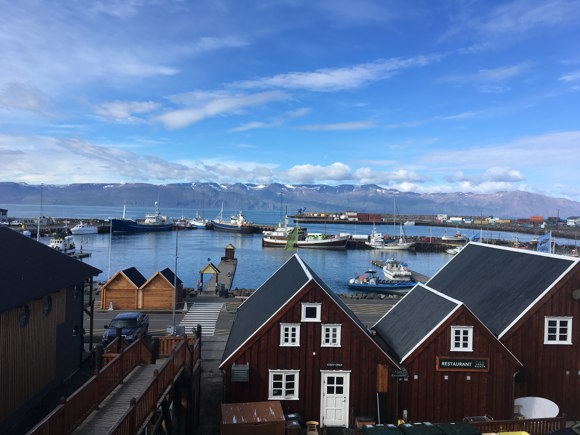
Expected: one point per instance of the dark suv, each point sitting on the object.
(133, 325)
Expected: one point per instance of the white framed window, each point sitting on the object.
(311, 311)
(283, 384)
(330, 335)
(462, 338)
(558, 330)
(290, 334)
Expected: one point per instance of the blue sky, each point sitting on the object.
(416, 95)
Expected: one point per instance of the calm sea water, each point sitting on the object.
(189, 251)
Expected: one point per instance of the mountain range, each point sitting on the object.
(369, 198)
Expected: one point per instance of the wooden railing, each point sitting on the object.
(73, 410)
(538, 426)
(186, 354)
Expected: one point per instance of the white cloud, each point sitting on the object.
(17, 95)
(125, 110)
(220, 106)
(355, 125)
(339, 79)
(315, 173)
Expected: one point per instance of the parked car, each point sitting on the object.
(132, 324)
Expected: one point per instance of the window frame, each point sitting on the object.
(283, 328)
(461, 329)
(557, 333)
(305, 306)
(284, 396)
(338, 340)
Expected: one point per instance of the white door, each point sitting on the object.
(335, 393)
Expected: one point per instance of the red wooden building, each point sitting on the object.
(294, 340)
(495, 324)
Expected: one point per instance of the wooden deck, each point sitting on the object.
(226, 276)
(114, 407)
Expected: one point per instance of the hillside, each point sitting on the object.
(363, 198)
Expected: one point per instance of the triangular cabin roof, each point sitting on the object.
(168, 274)
(270, 297)
(416, 317)
(31, 270)
(132, 275)
(209, 268)
(500, 284)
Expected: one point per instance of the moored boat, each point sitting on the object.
(84, 228)
(298, 237)
(198, 222)
(369, 282)
(236, 224)
(395, 270)
(153, 222)
(66, 244)
(386, 243)
(457, 237)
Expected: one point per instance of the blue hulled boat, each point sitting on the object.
(152, 223)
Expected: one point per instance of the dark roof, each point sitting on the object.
(170, 276)
(499, 284)
(31, 270)
(413, 318)
(134, 276)
(270, 297)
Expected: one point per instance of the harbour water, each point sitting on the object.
(189, 251)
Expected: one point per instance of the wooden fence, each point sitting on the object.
(72, 411)
(184, 355)
(540, 426)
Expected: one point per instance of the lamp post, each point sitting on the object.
(175, 280)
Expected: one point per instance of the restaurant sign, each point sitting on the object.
(462, 364)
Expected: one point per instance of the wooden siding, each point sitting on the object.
(357, 353)
(157, 294)
(28, 354)
(550, 371)
(427, 395)
(119, 291)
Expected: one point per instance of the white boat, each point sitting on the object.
(66, 244)
(84, 228)
(394, 270)
(454, 251)
(385, 243)
(457, 237)
(199, 222)
(409, 223)
(297, 237)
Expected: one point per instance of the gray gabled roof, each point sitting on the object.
(413, 319)
(270, 297)
(499, 284)
(31, 270)
(133, 275)
(170, 276)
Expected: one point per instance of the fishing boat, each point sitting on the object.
(84, 228)
(236, 224)
(369, 282)
(198, 222)
(152, 223)
(298, 237)
(65, 244)
(395, 270)
(454, 251)
(386, 243)
(457, 237)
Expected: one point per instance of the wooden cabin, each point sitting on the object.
(495, 324)
(158, 292)
(294, 340)
(41, 321)
(121, 291)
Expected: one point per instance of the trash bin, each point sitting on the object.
(293, 427)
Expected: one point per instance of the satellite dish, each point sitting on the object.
(537, 407)
(576, 294)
